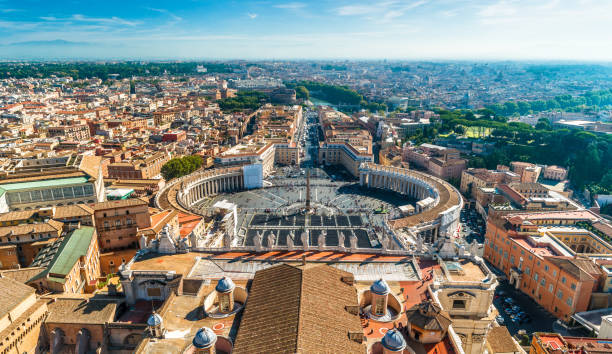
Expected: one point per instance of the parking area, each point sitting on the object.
(521, 312)
(472, 226)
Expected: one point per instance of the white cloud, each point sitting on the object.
(164, 11)
(252, 16)
(291, 5)
(101, 20)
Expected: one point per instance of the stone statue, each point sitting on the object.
(353, 240)
(321, 240)
(341, 240)
(290, 240)
(257, 241)
(142, 242)
(304, 238)
(271, 240)
(183, 245)
(167, 245)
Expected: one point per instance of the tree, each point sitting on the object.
(510, 108)
(543, 124)
(606, 181)
(523, 107)
(173, 169)
(302, 93)
(179, 167)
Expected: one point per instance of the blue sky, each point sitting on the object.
(392, 29)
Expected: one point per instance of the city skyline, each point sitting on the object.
(421, 29)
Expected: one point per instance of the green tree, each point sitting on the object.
(302, 93)
(178, 167)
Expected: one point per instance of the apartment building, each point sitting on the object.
(71, 264)
(474, 178)
(145, 166)
(117, 222)
(440, 161)
(76, 132)
(529, 172)
(541, 256)
(554, 173)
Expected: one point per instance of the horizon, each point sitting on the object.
(429, 30)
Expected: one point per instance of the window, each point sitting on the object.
(563, 280)
(459, 304)
(543, 282)
(569, 301)
(560, 294)
(554, 273)
(535, 276)
(550, 288)
(527, 271)
(546, 268)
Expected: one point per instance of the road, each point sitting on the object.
(309, 138)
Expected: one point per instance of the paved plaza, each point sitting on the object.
(339, 208)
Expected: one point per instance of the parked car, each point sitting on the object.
(500, 320)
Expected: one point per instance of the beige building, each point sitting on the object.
(474, 178)
(79, 325)
(529, 172)
(21, 317)
(555, 173)
(465, 290)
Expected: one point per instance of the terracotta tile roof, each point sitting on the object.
(26, 229)
(581, 269)
(22, 275)
(12, 293)
(68, 211)
(429, 316)
(119, 203)
(81, 311)
(299, 310)
(500, 340)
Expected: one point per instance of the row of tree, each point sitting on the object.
(588, 155)
(181, 166)
(244, 100)
(593, 99)
(335, 94)
(83, 70)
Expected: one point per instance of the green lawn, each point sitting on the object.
(477, 132)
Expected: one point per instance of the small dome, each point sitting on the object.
(154, 320)
(225, 285)
(380, 287)
(394, 340)
(204, 338)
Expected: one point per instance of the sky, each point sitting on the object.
(316, 29)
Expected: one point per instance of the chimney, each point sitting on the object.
(303, 259)
(349, 279)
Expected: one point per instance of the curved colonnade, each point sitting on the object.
(437, 210)
(439, 202)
